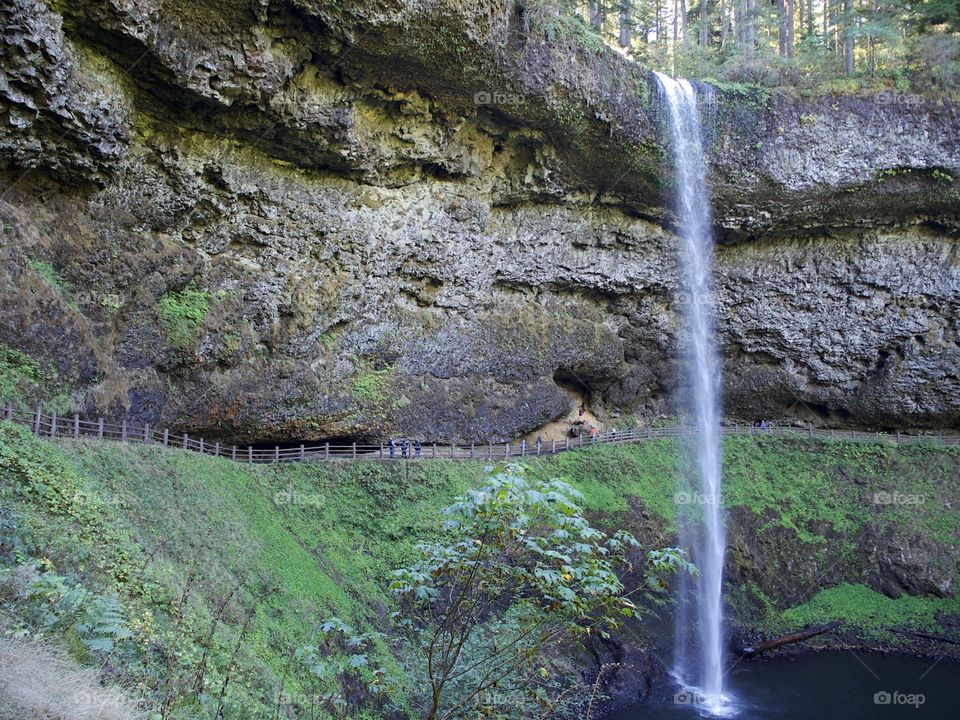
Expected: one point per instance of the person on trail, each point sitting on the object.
(593, 433)
(404, 449)
(393, 449)
(539, 444)
(417, 449)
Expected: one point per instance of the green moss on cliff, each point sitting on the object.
(24, 381)
(182, 314)
(859, 606)
(49, 274)
(369, 385)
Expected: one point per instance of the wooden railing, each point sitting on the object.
(54, 426)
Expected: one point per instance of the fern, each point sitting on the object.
(103, 626)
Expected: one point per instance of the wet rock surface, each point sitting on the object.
(290, 220)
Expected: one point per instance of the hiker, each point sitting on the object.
(593, 433)
(404, 450)
(393, 449)
(581, 412)
(523, 447)
(539, 444)
(417, 449)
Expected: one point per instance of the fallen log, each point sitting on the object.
(927, 636)
(789, 638)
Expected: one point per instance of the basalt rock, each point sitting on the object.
(290, 219)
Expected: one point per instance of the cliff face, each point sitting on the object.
(291, 219)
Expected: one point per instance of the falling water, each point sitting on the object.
(705, 679)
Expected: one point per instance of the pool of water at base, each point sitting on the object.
(835, 685)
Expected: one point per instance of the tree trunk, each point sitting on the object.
(683, 21)
(723, 24)
(826, 24)
(704, 24)
(848, 37)
(676, 16)
(782, 27)
(789, 638)
(791, 32)
(810, 18)
(626, 8)
(595, 17)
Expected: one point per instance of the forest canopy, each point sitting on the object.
(840, 44)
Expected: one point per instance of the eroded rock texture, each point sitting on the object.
(278, 219)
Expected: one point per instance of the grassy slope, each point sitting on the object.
(322, 539)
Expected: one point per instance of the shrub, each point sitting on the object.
(518, 570)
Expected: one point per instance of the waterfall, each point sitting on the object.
(706, 536)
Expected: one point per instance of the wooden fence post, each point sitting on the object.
(146, 433)
(381, 451)
(434, 450)
(53, 423)
(76, 425)
(216, 449)
(553, 447)
(566, 442)
(166, 437)
(489, 450)
(354, 450)
(580, 439)
(9, 412)
(471, 449)
(249, 453)
(302, 451)
(99, 428)
(186, 441)
(123, 430)
(506, 450)
(326, 451)
(201, 446)
(36, 421)
(233, 453)
(452, 446)
(276, 453)
(898, 437)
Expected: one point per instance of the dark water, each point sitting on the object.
(828, 686)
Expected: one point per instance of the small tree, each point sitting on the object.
(517, 569)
